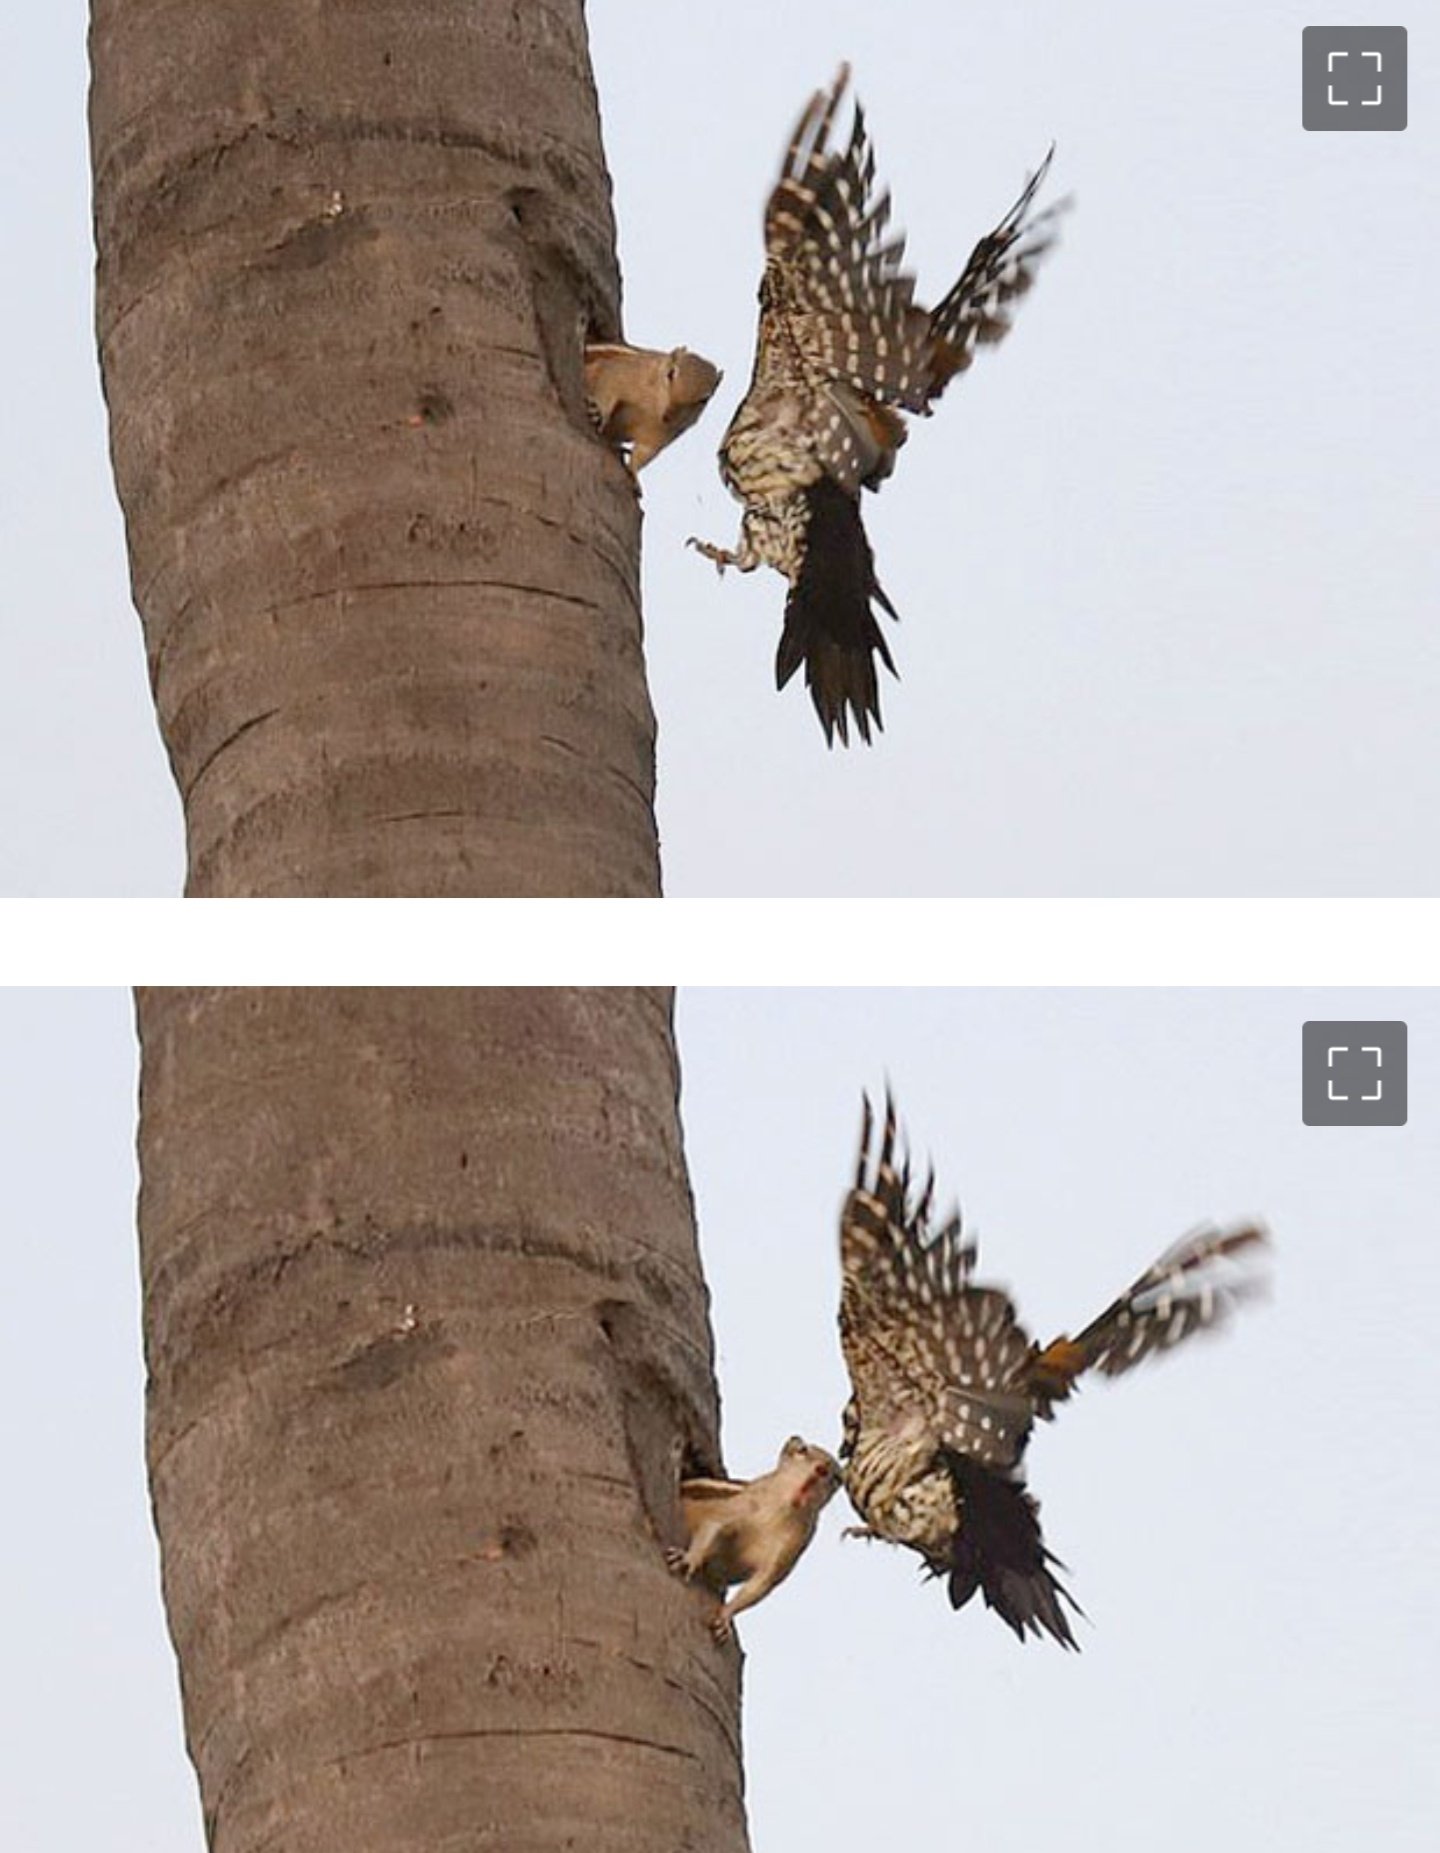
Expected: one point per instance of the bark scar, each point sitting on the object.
(567, 311)
(662, 1437)
(245, 727)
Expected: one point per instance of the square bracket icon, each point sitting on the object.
(1354, 1074)
(1353, 77)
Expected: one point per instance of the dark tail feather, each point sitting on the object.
(829, 619)
(1000, 1552)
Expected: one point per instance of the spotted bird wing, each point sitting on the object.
(833, 282)
(922, 1343)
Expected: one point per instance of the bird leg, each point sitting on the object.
(722, 556)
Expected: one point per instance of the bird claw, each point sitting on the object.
(860, 1531)
(720, 555)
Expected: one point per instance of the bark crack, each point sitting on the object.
(411, 817)
(452, 1737)
(568, 598)
(229, 741)
(621, 777)
(438, 585)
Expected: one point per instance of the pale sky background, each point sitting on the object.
(1250, 1524)
(1166, 562)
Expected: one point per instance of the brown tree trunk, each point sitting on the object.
(347, 258)
(427, 1340)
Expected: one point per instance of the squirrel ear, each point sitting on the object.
(795, 1445)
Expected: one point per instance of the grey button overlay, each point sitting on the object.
(1354, 1074)
(1353, 77)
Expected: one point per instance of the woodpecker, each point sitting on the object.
(843, 350)
(946, 1384)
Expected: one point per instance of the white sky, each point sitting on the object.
(1166, 562)
(1250, 1525)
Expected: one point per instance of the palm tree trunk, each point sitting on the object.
(428, 1344)
(389, 578)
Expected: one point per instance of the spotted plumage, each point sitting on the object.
(947, 1384)
(842, 351)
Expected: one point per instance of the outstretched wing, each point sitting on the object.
(1193, 1287)
(924, 1346)
(833, 280)
(976, 312)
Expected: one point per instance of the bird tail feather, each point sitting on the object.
(998, 1550)
(830, 624)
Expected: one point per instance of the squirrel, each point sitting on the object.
(645, 398)
(752, 1531)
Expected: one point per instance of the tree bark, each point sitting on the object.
(348, 256)
(428, 1347)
